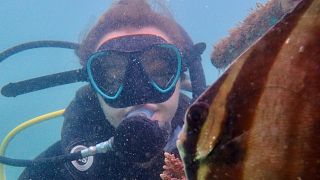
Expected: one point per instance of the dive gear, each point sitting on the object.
(82, 164)
(136, 138)
(25, 163)
(37, 44)
(102, 147)
(39, 83)
(43, 82)
(148, 113)
(21, 127)
(191, 60)
(83, 126)
(126, 78)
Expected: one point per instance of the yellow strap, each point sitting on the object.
(21, 127)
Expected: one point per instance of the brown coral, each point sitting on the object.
(251, 29)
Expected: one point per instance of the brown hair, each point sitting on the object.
(132, 14)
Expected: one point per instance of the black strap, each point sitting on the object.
(197, 77)
(39, 83)
(36, 44)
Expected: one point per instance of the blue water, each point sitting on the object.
(23, 21)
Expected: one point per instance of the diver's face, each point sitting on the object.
(163, 112)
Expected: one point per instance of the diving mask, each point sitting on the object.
(135, 69)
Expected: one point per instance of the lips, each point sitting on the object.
(142, 111)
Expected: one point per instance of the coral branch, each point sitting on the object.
(173, 168)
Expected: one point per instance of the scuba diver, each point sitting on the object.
(136, 61)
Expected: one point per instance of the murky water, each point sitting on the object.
(23, 21)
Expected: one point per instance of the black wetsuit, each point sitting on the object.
(85, 124)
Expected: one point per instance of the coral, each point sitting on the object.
(247, 32)
(173, 168)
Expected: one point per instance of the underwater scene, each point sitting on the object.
(160, 89)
